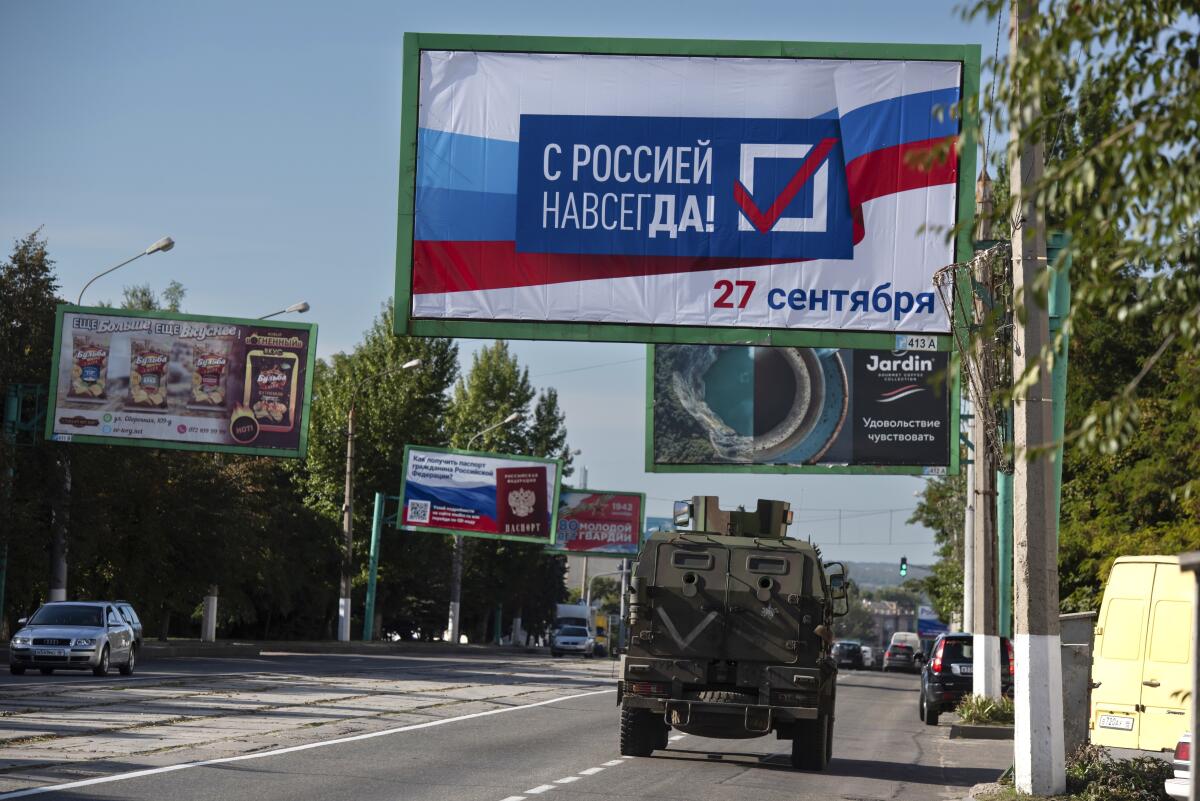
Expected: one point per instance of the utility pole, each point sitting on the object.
(1038, 733)
(347, 578)
(986, 667)
(968, 616)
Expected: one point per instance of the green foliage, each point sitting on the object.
(941, 509)
(1113, 90)
(1093, 775)
(981, 709)
(520, 577)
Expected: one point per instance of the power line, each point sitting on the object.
(589, 367)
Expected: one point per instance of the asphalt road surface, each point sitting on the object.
(441, 729)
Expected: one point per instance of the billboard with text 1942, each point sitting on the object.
(680, 191)
(599, 522)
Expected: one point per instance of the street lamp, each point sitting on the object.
(456, 564)
(348, 504)
(161, 246)
(512, 418)
(296, 308)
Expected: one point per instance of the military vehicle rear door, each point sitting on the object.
(688, 596)
(770, 592)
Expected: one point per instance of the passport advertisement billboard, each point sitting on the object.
(553, 188)
(480, 494)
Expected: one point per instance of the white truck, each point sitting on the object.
(573, 615)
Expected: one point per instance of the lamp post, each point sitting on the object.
(456, 562)
(295, 308)
(161, 246)
(343, 634)
(60, 508)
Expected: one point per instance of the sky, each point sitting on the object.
(264, 138)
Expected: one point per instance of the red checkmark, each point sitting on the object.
(765, 221)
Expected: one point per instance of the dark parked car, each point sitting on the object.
(899, 657)
(948, 674)
(848, 654)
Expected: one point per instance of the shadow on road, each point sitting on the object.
(900, 772)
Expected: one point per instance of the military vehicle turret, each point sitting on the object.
(730, 628)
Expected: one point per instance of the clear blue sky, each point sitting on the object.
(264, 138)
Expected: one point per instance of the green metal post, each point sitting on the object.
(376, 532)
(1060, 307)
(1004, 540)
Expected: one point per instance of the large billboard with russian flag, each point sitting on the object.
(669, 191)
(498, 496)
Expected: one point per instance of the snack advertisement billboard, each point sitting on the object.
(657, 190)
(162, 379)
(490, 495)
(599, 522)
(721, 408)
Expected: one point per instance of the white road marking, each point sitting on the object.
(607, 764)
(136, 774)
(567, 779)
(514, 798)
(541, 788)
(590, 771)
(675, 737)
(618, 763)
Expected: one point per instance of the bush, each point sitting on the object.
(1095, 776)
(981, 709)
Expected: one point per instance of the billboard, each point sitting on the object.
(732, 408)
(680, 191)
(162, 379)
(599, 522)
(929, 625)
(480, 494)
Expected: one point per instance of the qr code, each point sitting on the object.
(418, 511)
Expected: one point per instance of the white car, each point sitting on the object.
(868, 655)
(572, 640)
(1178, 786)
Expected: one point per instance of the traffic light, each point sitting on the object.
(903, 565)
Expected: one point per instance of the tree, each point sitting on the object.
(512, 575)
(1127, 193)
(941, 509)
(393, 406)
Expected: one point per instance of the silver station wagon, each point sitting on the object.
(73, 635)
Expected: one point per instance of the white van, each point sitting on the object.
(1142, 655)
(908, 638)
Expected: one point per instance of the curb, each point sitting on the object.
(975, 731)
(151, 652)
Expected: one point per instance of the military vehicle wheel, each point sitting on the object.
(641, 732)
(812, 745)
(16, 670)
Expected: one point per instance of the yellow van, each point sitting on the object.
(1142, 656)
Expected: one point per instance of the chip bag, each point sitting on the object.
(148, 362)
(89, 369)
(210, 375)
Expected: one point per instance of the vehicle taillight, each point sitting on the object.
(1008, 643)
(1183, 751)
(936, 664)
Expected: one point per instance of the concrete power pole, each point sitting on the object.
(1040, 763)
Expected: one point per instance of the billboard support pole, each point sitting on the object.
(343, 632)
(376, 531)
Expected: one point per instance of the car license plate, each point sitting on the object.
(49, 651)
(1116, 722)
(963, 670)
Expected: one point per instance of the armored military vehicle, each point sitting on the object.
(730, 628)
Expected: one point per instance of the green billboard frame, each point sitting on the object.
(558, 467)
(246, 450)
(952, 469)
(604, 554)
(414, 43)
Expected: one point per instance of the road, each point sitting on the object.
(437, 728)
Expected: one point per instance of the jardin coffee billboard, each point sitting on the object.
(479, 494)
(168, 380)
(726, 408)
